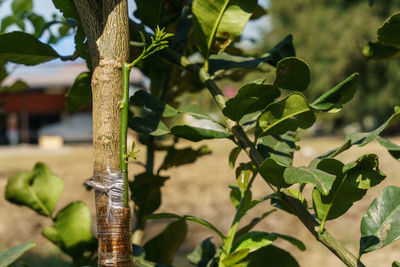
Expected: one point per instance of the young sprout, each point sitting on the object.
(132, 154)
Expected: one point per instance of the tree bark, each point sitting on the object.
(106, 26)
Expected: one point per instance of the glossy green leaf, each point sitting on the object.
(196, 134)
(292, 74)
(272, 255)
(162, 248)
(234, 257)
(39, 189)
(159, 108)
(176, 157)
(322, 180)
(158, 12)
(389, 33)
(217, 23)
(17, 87)
(24, 48)
(250, 98)
(280, 148)
(393, 149)
(334, 99)
(396, 264)
(292, 240)
(379, 51)
(12, 254)
(146, 193)
(72, 230)
(195, 111)
(351, 184)
(79, 95)
(249, 121)
(272, 172)
(148, 125)
(225, 61)
(253, 241)
(243, 175)
(233, 155)
(21, 6)
(202, 254)
(185, 217)
(285, 115)
(380, 226)
(67, 8)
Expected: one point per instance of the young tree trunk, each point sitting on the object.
(106, 27)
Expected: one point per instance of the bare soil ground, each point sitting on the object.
(199, 189)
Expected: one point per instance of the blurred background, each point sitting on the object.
(330, 35)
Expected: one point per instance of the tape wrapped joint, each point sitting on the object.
(110, 183)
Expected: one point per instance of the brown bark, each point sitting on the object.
(106, 27)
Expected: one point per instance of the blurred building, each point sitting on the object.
(40, 110)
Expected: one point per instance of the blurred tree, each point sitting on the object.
(330, 36)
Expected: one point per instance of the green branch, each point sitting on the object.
(305, 217)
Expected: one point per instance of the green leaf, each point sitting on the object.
(253, 241)
(294, 241)
(148, 125)
(226, 62)
(17, 87)
(202, 254)
(195, 111)
(21, 6)
(380, 226)
(272, 255)
(24, 48)
(217, 23)
(146, 193)
(158, 12)
(196, 134)
(79, 95)
(396, 264)
(72, 230)
(67, 8)
(322, 180)
(351, 184)
(334, 99)
(393, 149)
(243, 174)
(177, 157)
(379, 51)
(185, 217)
(162, 248)
(233, 155)
(292, 74)
(251, 97)
(39, 189)
(12, 254)
(272, 172)
(389, 33)
(286, 115)
(235, 257)
(362, 139)
(279, 148)
(159, 108)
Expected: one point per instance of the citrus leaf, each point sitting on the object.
(159, 108)
(233, 156)
(12, 254)
(253, 241)
(389, 33)
(196, 134)
(380, 226)
(39, 189)
(24, 48)
(202, 254)
(79, 95)
(285, 115)
(393, 149)
(292, 74)
(273, 255)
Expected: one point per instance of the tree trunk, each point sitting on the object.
(106, 27)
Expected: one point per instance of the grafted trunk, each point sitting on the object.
(106, 27)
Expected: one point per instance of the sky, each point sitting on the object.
(66, 46)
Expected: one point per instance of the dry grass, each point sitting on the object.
(199, 189)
